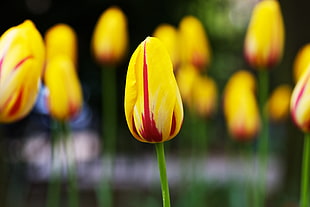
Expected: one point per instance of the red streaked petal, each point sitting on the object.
(21, 62)
(17, 104)
(173, 125)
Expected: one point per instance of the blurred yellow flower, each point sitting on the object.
(110, 38)
(64, 98)
(278, 105)
(264, 40)
(22, 56)
(153, 105)
(194, 43)
(61, 39)
(301, 62)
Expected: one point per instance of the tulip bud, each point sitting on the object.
(204, 93)
(110, 37)
(279, 103)
(240, 107)
(300, 102)
(301, 62)
(195, 48)
(168, 34)
(61, 39)
(153, 105)
(264, 40)
(64, 98)
(22, 56)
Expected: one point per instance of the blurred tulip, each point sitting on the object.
(194, 43)
(240, 107)
(301, 62)
(61, 39)
(204, 96)
(64, 98)
(22, 56)
(153, 105)
(110, 37)
(168, 34)
(279, 103)
(185, 77)
(264, 40)
(300, 102)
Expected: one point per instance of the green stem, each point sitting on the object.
(263, 141)
(163, 174)
(305, 173)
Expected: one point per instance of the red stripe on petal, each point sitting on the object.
(21, 62)
(17, 104)
(173, 125)
(148, 131)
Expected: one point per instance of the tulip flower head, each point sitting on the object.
(301, 62)
(264, 40)
(61, 39)
(300, 102)
(153, 105)
(168, 34)
(110, 38)
(195, 47)
(64, 98)
(22, 56)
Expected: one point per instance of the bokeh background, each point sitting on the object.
(25, 143)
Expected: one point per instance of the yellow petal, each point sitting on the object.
(301, 61)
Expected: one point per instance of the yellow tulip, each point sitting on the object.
(204, 96)
(185, 77)
(22, 56)
(240, 107)
(301, 62)
(168, 34)
(61, 39)
(194, 43)
(153, 105)
(264, 40)
(64, 98)
(300, 102)
(110, 37)
(279, 103)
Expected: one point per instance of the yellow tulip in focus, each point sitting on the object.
(279, 103)
(194, 43)
(204, 96)
(300, 102)
(264, 40)
(110, 37)
(185, 76)
(64, 98)
(301, 62)
(61, 39)
(240, 107)
(168, 34)
(22, 56)
(153, 105)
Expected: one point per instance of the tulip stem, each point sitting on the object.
(305, 173)
(263, 141)
(163, 173)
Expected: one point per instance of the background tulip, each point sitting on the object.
(64, 97)
(153, 105)
(195, 48)
(301, 62)
(22, 56)
(110, 37)
(61, 39)
(264, 41)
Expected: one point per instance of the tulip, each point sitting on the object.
(194, 48)
(64, 98)
(264, 40)
(61, 39)
(240, 107)
(168, 34)
(110, 37)
(153, 105)
(22, 56)
(301, 62)
(204, 96)
(279, 103)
